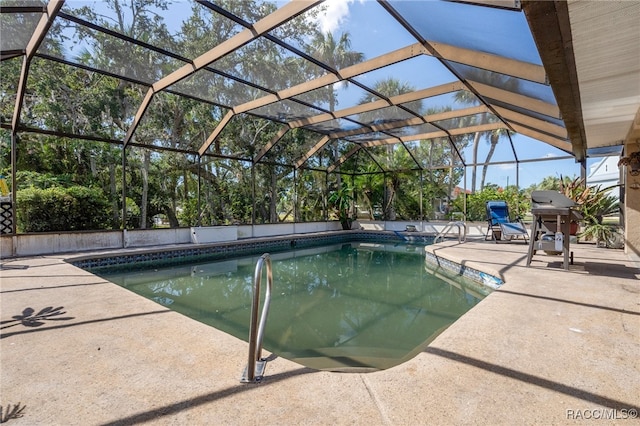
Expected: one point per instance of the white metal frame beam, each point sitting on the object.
(469, 57)
(275, 19)
(46, 20)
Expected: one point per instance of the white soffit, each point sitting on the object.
(606, 43)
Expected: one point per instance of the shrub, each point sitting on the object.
(56, 208)
(517, 200)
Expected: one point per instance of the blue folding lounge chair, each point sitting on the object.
(500, 224)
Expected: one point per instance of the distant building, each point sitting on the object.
(441, 206)
(457, 191)
(605, 173)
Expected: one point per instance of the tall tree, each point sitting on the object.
(466, 97)
(390, 87)
(493, 139)
(138, 20)
(336, 54)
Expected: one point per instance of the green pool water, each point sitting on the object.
(346, 307)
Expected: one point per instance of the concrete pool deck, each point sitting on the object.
(549, 347)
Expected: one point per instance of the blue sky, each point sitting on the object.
(357, 16)
(374, 32)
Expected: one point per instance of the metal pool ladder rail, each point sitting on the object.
(256, 365)
(462, 231)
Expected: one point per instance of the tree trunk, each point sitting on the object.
(494, 143)
(185, 184)
(145, 188)
(171, 216)
(334, 149)
(273, 202)
(389, 209)
(476, 142)
(115, 213)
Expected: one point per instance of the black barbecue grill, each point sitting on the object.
(552, 216)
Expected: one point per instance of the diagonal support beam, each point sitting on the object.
(322, 142)
(46, 20)
(136, 120)
(494, 63)
(357, 148)
(417, 121)
(522, 101)
(535, 123)
(412, 121)
(439, 134)
(212, 137)
(512, 67)
(10, 54)
(372, 106)
(271, 143)
(266, 24)
(392, 141)
(561, 144)
(327, 79)
(344, 158)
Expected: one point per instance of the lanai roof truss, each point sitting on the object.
(502, 92)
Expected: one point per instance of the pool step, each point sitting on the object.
(351, 359)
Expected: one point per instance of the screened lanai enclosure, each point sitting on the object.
(141, 113)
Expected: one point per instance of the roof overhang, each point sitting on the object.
(591, 52)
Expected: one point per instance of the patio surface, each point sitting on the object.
(549, 347)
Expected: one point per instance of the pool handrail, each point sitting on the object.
(255, 365)
(462, 231)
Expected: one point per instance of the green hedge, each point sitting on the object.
(517, 200)
(56, 208)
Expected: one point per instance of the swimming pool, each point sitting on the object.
(353, 306)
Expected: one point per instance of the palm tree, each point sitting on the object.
(389, 88)
(466, 97)
(131, 19)
(336, 54)
(493, 138)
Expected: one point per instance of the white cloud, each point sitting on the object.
(510, 166)
(340, 85)
(549, 155)
(336, 12)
